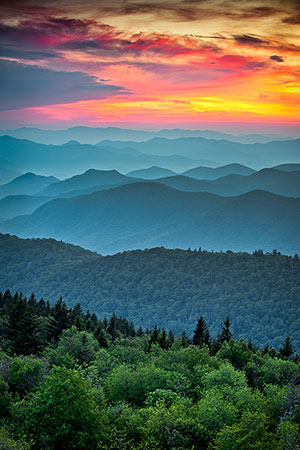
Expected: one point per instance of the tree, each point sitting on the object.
(100, 335)
(59, 319)
(287, 349)
(24, 330)
(112, 328)
(154, 336)
(163, 342)
(251, 433)
(61, 413)
(226, 334)
(201, 334)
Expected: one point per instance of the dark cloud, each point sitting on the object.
(12, 51)
(35, 86)
(292, 20)
(247, 39)
(257, 13)
(276, 58)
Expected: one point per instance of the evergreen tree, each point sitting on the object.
(184, 339)
(162, 340)
(59, 320)
(226, 334)
(215, 345)
(287, 349)
(24, 330)
(112, 328)
(201, 334)
(171, 337)
(154, 337)
(100, 335)
(140, 332)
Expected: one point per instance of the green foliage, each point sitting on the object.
(61, 413)
(80, 345)
(250, 433)
(144, 390)
(237, 353)
(126, 384)
(8, 442)
(25, 373)
(5, 398)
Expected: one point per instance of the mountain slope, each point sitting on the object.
(7, 175)
(16, 205)
(148, 214)
(275, 181)
(86, 180)
(287, 167)
(208, 173)
(151, 173)
(28, 184)
(172, 288)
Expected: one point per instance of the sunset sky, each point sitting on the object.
(226, 65)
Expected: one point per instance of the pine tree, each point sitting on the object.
(226, 334)
(162, 340)
(184, 339)
(215, 345)
(287, 349)
(154, 336)
(100, 335)
(112, 328)
(140, 332)
(201, 335)
(24, 330)
(171, 337)
(59, 319)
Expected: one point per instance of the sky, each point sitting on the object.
(208, 64)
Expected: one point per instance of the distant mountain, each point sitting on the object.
(208, 173)
(66, 160)
(275, 181)
(84, 135)
(147, 214)
(187, 184)
(288, 167)
(28, 184)
(222, 151)
(92, 135)
(71, 142)
(17, 205)
(151, 173)
(86, 180)
(209, 134)
(7, 175)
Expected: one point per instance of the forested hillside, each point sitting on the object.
(259, 292)
(71, 381)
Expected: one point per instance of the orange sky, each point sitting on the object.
(151, 64)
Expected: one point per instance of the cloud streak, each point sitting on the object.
(34, 86)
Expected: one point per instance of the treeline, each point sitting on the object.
(259, 292)
(28, 326)
(70, 380)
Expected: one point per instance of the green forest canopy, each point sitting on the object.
(71, 381)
